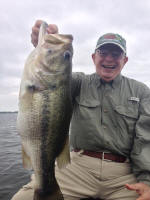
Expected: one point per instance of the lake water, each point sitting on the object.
(12, 173)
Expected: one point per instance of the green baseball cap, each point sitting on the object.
(112, 38)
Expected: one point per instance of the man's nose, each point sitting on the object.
(109, 57)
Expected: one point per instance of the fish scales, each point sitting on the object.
(45, 110)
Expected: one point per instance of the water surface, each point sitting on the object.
(12, 173)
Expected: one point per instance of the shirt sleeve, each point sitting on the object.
(140, 153)
(77, 78)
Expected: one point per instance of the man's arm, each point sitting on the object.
(140, 154)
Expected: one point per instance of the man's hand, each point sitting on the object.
(51, 29)
(142, 189)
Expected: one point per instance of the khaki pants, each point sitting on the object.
(89, 177)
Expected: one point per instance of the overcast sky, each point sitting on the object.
(86, 20)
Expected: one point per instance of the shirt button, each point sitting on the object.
(105, 110)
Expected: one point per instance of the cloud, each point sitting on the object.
(86, 20)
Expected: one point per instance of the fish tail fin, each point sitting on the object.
(64, 157)
(48, 195)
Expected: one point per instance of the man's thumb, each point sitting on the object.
(131, 186)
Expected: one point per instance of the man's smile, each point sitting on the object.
(109, 66)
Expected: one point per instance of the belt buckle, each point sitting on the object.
(103, 157)
(80, 152)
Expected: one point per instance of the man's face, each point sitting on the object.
(109, 60)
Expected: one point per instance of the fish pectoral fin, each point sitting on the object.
(26, 160)
(64, 157)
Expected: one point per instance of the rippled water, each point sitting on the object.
(12, 174)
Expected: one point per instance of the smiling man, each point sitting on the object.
(110, 56)
(110, 130)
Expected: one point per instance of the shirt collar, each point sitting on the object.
(114, 83)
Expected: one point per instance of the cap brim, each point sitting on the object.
(98, 46)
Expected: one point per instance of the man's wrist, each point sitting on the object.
(145, 182)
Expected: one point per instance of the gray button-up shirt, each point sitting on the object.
(114, 117)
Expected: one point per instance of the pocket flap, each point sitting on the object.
(87, 103)
(127, 111)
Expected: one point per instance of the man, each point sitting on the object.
(110, 130)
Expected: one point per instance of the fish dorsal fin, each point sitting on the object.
(42, 33)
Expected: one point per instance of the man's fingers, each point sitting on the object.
(144, 197)
(34, 40)
(38, 23)
(130, 187)
(140, 198)
(133, 187)
(52, 29)
(35, 32)
(142, 189)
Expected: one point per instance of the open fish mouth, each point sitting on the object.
(56, 73)
(52, 72)
(109, 66)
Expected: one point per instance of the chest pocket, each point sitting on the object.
(126, 116)
(87, 108)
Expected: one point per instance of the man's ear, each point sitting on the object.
(93, 57)
(125, 60)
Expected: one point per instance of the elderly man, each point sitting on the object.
(110, 130)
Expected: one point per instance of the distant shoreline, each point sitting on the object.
(8, 112)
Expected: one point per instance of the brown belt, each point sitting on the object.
(103, 155)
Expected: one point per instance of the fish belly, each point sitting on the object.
(43, 122)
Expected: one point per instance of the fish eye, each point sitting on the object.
(49, 50)
(31, 88)
(67, 55)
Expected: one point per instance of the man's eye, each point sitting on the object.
(103, 53)
(116, 54)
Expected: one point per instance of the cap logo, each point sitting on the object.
(109, 37)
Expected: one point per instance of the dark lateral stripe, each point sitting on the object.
(45, 115)
(44, 134)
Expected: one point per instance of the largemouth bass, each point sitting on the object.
(45, 111)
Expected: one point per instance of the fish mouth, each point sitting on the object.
(52, 72)
(109, 66)
(56, 72)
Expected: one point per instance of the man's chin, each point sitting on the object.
(106, 76)
(107, 79)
